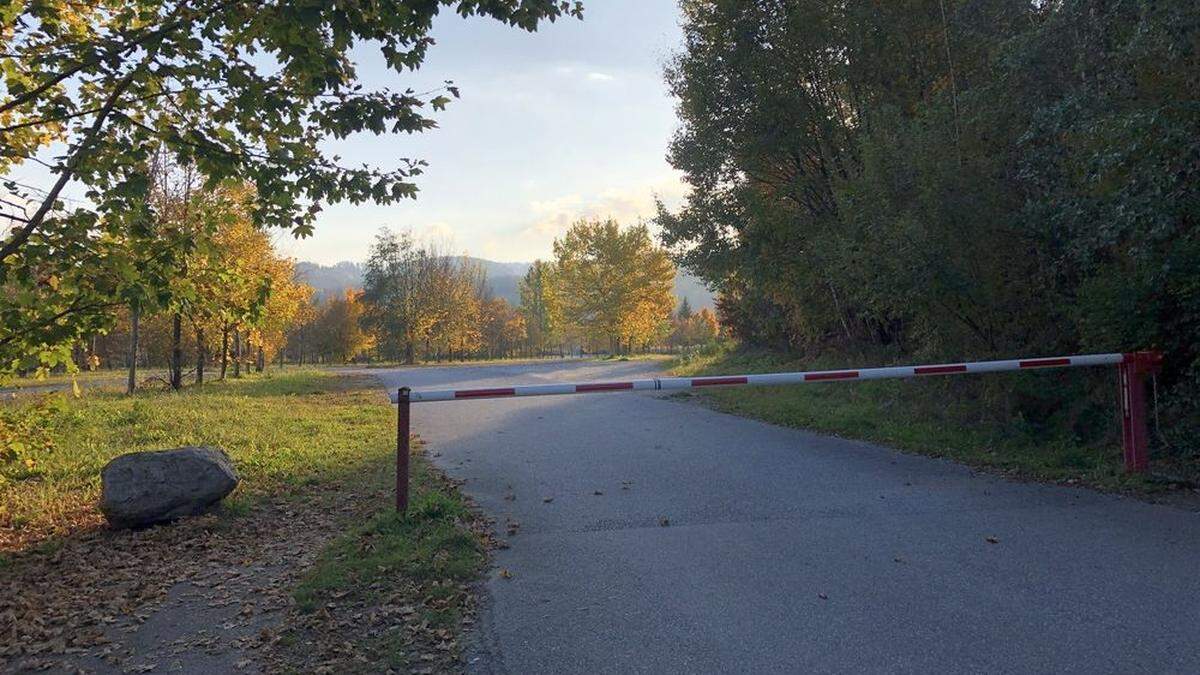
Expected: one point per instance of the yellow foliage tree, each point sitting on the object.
(615, 284)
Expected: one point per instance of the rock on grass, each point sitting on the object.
(144, 488)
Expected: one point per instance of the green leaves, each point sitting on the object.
(240, 91)
(1001, 178)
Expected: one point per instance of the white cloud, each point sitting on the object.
(547, 219)
(600, 77)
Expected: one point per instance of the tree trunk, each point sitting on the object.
(237, 352)
(134, 319)
(262, 360)
(177, 352)
(224, 349)
(201, 355)
(408, 353)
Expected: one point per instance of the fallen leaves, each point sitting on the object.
(86, 599)
(89, 596)
(393, 623)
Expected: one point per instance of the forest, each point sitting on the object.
(942, 179)
(607, 290)
(418, 303)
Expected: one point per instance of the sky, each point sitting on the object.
(571, 121)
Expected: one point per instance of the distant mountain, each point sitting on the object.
(694, 291)
(502, 277)
(331, 279)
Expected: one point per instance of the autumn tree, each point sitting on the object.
(540, 306)
(690, 328)
(242, 91)
(338, 334)
(502, 329)
(614, 283)
(283, 308)
(393, 295)
(454, 290)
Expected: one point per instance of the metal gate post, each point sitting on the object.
(1134, 438)
(403, 410)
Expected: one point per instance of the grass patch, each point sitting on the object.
(426, 544)
(397, 586)
(284, 432)
(108, 377)
(1050, 426)
(429, 545)
(315, 451)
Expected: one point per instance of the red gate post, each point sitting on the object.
(403, 410)
(1133, 371)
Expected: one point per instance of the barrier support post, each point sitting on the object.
(403, 423)
(1134, 438)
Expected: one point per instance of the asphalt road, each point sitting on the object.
(786, 551)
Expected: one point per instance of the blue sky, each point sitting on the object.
(571, 121)
(567, 122)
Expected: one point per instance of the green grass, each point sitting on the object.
(295, 429)
(306, 435)
(1012, 422)
(428, 547)
(103, 376)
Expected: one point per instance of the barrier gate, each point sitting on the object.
(1133, 368)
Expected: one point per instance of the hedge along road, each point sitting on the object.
(653, 535)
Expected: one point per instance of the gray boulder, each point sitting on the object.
(143, 488)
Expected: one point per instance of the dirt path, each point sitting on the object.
(208, 594)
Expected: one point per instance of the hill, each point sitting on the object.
(503, 278)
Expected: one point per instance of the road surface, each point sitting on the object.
(786, 551)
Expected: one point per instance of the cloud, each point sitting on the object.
(600, 77)
(547, 219)
(439, 232)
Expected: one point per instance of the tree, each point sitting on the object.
(392, 294)
(240, 90)
(503, 328)
(540, 306)
(614, 283)
(693, 328)
(454, 291)
(339, 334)
(284, 308)
(944, 178)
(684, 311)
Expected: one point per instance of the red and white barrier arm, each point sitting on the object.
(674, 383)
(1134, 368)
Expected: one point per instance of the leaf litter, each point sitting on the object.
(215, 593)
